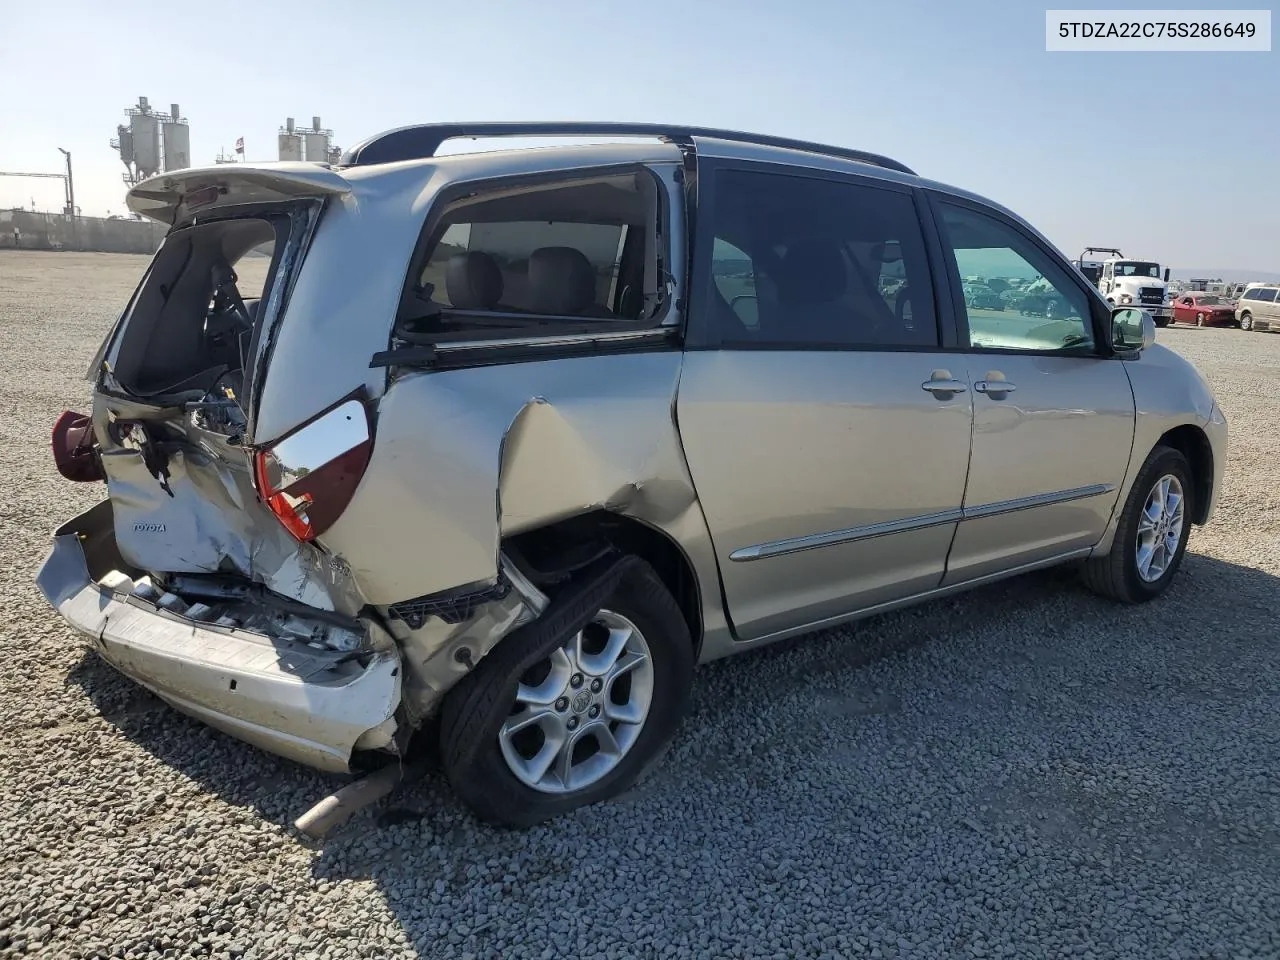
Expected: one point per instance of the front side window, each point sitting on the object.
(516, 257)
(1039, 307)
(1267, 296)
(811, 264)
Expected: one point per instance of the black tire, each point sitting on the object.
(1246, 321)
(1199, 319)
(1116, 575)
(473, 711)
(1162, 321)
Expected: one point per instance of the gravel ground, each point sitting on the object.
(1026, 771)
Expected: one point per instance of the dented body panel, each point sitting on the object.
(201, 514)
(285, 696)
(317, 641)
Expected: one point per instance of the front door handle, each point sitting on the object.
(944, 386)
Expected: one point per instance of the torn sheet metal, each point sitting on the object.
(437, 651)
(310, 705)
(466, 457)
(190, 507)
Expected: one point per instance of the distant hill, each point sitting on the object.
(1229, 275)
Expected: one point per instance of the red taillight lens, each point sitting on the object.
(74, 450)
(309, 477)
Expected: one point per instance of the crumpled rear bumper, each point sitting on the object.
(312, 706)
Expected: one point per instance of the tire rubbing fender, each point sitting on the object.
(569, 611)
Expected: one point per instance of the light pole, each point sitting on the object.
(71, 199)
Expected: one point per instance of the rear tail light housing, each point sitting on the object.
(308, 477)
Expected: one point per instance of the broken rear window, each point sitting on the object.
(192, 321)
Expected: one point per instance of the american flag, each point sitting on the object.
(240, 145)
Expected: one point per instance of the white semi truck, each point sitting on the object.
(1127, 282)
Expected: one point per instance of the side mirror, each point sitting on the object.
(1132, 330)
(1166, 274)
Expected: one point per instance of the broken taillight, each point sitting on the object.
(307, 478)
(75, 448)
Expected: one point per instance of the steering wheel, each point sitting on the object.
(227, 313)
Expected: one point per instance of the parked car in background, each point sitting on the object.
(979, 296)
(1204, 310)
(1259, 307)
(505, 442)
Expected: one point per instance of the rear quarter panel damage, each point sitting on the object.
(465, 457)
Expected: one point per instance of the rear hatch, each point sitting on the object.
(176, 385)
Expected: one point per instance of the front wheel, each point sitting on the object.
(1246, 321)
(573, 708)
(1199, 319)
(1152, 535)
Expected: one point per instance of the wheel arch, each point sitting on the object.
(1193, 443)
(544, 551)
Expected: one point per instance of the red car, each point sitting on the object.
(1204, 310)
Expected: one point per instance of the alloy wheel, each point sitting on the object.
(1160, 528)
(577, 713)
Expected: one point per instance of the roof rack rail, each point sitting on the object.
(422, 141)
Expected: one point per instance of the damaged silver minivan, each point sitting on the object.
(500, 444)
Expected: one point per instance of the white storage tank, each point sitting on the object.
(317, 142)
(177, 141)
(288, 142)
(145, 128)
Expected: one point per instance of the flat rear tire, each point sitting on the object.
(573, 708)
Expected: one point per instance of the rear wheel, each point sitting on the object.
(576, 715)
(1151, 538)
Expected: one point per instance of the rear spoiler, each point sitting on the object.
(175, 197)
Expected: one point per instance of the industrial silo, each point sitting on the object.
(124, 143)
(177, 141)
(290, 143)
(317, 142)
(145, 129)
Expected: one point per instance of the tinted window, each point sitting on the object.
(808, 262)
(576, 250)
(1039, 307)
(1267, 296)
(735, 279)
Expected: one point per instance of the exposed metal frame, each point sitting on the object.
(421, 141)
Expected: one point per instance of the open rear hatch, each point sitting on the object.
(176, 387)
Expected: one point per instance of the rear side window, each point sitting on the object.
(582, 250)
(1267, 296)
(814, 263)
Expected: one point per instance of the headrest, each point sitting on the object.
(561, 281)
(813, 271)
(473, 281)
